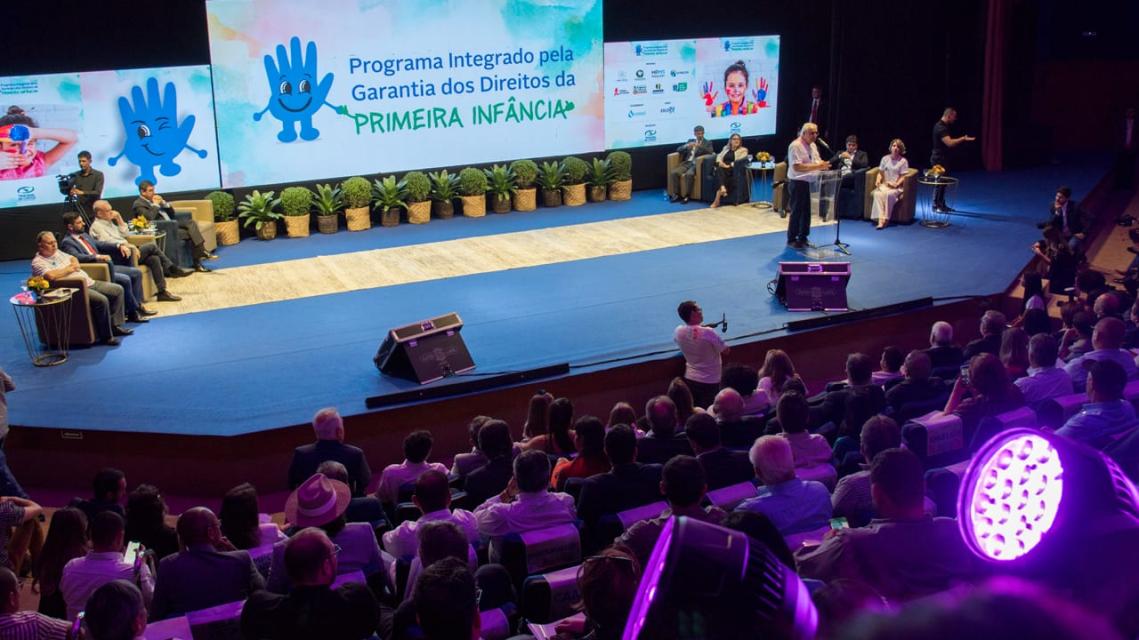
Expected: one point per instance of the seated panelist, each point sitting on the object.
(80, 244)
(683, 176)
(725, 166)
(151, 206)
(104, 299)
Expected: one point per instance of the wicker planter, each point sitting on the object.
(526, 199)
(500, 203)
(551, 198)
(268, 230)
(227, 232)
(359, 218)
(622, 190)
(328, 224)
(597, 193)
(443, 210)
(419, 212)
(474, 206)
(390, 217)
(574, 195)
(297, 226)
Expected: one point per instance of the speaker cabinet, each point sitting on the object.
(425, 351)
(813, 286)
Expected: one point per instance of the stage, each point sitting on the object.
(268, 357)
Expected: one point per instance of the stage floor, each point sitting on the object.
(260, 366)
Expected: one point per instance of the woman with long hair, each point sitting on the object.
(537, 416)
(559, 439)
(622, 413)
(146, 521)
(66, 540)
(239, 516)
(681, 396)
(1014, 352)
(589, 439)
(725, 166)
(777, 370)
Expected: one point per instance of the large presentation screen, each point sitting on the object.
(657, 91)
(138, 124)
(319, 89)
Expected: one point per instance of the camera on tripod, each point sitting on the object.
(66, 182)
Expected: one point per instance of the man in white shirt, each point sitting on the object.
(526, 504)
(1044, 380)
(433, 497)
(702, 349)
(416, 449)
(803, 166)
(104, 563)
(105, 299)
(1107, 338)
(109, 227)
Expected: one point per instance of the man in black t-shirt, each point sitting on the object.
(87, 183)
(943, 143)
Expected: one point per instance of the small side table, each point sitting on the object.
(159, 237)
(45, 325)
(927, 187)
(764, 169)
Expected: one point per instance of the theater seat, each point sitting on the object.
(222, 622)
(82, 330)
(1054, 412)
(795, 540)
(727, 498)
(673, 160)
(936, 438)
(202, 212)
(629, 517)
(550, 596)
(992, 425)
(537, 551)
(824, 473)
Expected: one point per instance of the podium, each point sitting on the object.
(824, 193)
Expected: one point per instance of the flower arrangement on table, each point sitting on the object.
(37, 286)
(936, 171)
(138, 224)
(764, 157)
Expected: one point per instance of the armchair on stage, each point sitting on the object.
(706, 182)
(200, 211)
(906, 205)
(673, 161)
(82, 330)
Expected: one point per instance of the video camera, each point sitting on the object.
(66, 182)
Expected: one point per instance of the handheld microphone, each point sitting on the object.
(723, 324)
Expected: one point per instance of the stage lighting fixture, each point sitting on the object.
(705, 581)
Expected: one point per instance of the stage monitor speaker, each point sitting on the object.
(425, 351)
(813, 286)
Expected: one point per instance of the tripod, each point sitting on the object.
(77, 205)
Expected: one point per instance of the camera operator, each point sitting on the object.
(87, 183)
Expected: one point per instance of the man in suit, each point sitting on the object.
(849, 163)
(86, 249)
(151, 206)
(626, 485)
(208, 571)
(993, 324)
(831, 405)
(329, 445)
(682, 177)
(815, 112)
(662, 442)
(1065, 216)
(722, 467)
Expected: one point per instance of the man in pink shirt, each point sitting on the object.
(416, 449)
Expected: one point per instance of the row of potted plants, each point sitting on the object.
(571, 181)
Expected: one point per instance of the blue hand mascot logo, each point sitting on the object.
(295, 95)
(153, 135)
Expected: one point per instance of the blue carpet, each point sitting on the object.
(253, 368)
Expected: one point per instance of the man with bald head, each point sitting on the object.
(1107, 340)
(24, 624)
(109, 226)
(207, 572)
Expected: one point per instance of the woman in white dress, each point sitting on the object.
(888, 188)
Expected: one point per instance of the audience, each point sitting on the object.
(776, 371)
(206, 573)
(446, 603)
(760, 527)
(492, 477)
(890, 367)
(15, 512)
(793, 505)
(329, 429)
(852, 496)
(683, 486)
(537, 417)
(918, 386)
(416, 450)
(830, 407)
(626, 485)
(116, 611)
(559, 440)
(589, 439)
(608, 585)
(464, 463)
(986, 391)
(1044, 379)
(722, 467)
(737, 430)
(744, 380)
(681, 396)
(622, 413)
(104, 563)
(1014, 352)
(1107, 338)
(1077, 339)
(109, 488)
(360, 509)
(703, 351)
(526, 503)
(993, 324)
(433, 498)
(840, 601)
(17, 624)
(66, 540)
(663, 440)
(943, 354)
(809, 450)
(1107, 416)
(241, 520)
(1036, 321)
(904, 554)
(146, 521)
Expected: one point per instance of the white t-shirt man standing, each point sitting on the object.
(703, 350)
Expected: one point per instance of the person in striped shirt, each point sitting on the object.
(25, 625)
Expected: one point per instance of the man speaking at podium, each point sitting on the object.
(803, 166)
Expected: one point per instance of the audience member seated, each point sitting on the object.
(793, 505)
(1060, 263)
(468, 461)
(1044, 380)
(1077, 339)
(722, 467)
(108, 490)
(16, 624)
(15, 512)
(102, 564)
(437, 541)
(329, 445)
(889, 367)
(662, 441)
(360, 509)
(589, 439)
(608, 584)
(320, 502)
(313, 609)
(116, 611)
(1034, 297)
(492, 477)
(537, 416)
(66, 540)
(1037, 321)
(559, 440)
(683, 486)
(622, 413)
(433, 497)
(681, 395)
(943, 354)
(904, 554)
(852, 498)
(1107, 416)
(446, 601)
(146, 522)
(985, 392)
(736, 429)
(626, 485)
(1125, 452)
(1108, 305)
(1014, 352)
(241, 523)
(105, 300)
(761, 528)
(776, 371)
(416, 450)
(1107, 338)
(917, 386)
(526, 503)
(809, 450)
(206, 573)
(993, 324)
(830, 407)
(745, 380)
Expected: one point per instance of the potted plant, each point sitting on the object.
(598, 179)
(296, 202)
(525, 194)
(500, 185)
(551, 175)
(259, 210)
(357, 194)
(472, 192)
(387, 198)
(574, 187)
(621, 164)
(225, 219)
(418, 197)
(328, 202)
(444, 190)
